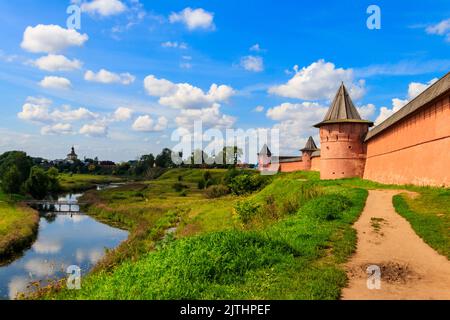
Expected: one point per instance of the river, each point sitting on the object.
(62, 241)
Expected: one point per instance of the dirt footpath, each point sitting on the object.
(410, 269)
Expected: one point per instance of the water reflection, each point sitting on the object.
(47, 246)
(76, 240)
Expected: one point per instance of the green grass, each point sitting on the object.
(214, 256)
(81, 182)
(277, 254)
(18, 226)
(429, 215)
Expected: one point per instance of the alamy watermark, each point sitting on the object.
(374, 20)
(374, 277)
(74, 278)
(74, 19)
(211, 146)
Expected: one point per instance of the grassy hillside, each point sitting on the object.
(18, 226)
(291, 247)
(79, 182)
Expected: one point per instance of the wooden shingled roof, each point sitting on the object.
(265, 151)
(310, 145)
(342, 110)
(436, 90)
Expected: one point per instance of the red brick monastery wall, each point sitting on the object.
(292, 166)
(416, 150)
(315, 164)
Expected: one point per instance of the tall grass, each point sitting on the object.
(429, 215)
(18, 227)
(289, 259)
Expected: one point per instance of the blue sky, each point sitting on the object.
(160, 59)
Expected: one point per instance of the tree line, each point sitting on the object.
(20, 174)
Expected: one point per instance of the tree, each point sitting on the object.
(19, 159)
(38, 184)
(229, 155)
(53, 180)
(149, 160)
(164, 159)
(199, 157)
(11, 181)
(144, 164)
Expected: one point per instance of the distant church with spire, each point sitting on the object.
(72, 156)
(410, 147)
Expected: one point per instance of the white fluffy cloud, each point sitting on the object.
(57, 129)
(210, 117)
(256, 48)
(318, 81)
(442, 28)
(94, 130)
(54, 63)
(386, 112)
(184, 95)
(259, 109)
(51, 38)
(122, 114)
(108, 77)
(414, 89)
(104, 7)
(35, 109)
(295, 122)
(366, 111)
(194, 18)
(68, 114)
(38, 110)
(174, 44)
(252, 63)
(147, 124)
(307, 112)
(52, 82)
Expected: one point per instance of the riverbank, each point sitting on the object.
(18, 227)
(290, 240)
(180, 242)
(83, 182)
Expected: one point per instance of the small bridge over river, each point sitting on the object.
(55, 206)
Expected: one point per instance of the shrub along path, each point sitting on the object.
(410, 269)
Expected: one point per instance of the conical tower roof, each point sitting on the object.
(265, 151)
(310, 145)
(342, 109)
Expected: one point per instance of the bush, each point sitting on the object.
(183, 193)
(178, 187)
(270, 208)
(38, 184)
(246, 183)
(201, 184)
(245, 210)
(207, 176)
(290, 206)
(327, 207)
(11, 181)
(206, 181)
(230, 175)
(216, 191)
